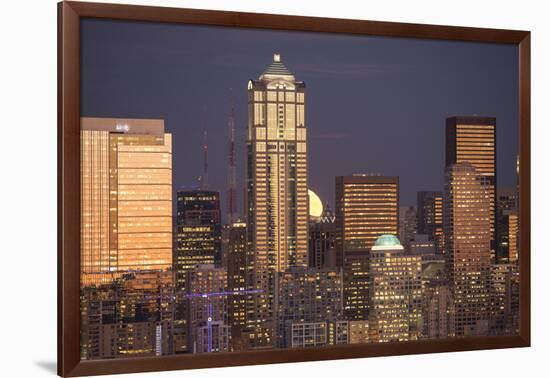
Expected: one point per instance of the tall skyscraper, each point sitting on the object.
(467, 226)
(236, 257)
(396, 292)
(407, 225)
(366, 208)
(507, 225)
(472, 139)
(126, 197)
(510, 219)
(430, 217)
(322, 238)
(198, 232)
(277, 191)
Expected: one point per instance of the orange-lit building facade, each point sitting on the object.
(366, 208)
(277, 192)
(126, 191)
(467, 212)
(472, 139)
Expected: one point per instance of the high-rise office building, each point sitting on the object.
(507, 225)
(366, 208)
(235, 244)
(396, 292)
(407, 225)
(197, 242)
(508, 236)
(512, 218)
(277, 190)
(198, 232)
(308, 295)
(467, 226)
(322, 239)
(430, 217)
(472, 139)
(126, 198)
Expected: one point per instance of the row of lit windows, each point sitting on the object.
(281, 96)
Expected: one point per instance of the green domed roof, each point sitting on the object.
(387, 241)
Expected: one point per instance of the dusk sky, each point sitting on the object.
(373, 104)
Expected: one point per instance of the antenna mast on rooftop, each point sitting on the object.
(204, 177)
(231, 167)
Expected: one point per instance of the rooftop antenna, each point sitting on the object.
(231, 166)
(204, 177)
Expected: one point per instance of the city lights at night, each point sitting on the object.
(294, 208)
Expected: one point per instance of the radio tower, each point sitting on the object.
(231, 169)
(204, 178)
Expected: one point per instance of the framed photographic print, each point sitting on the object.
(239, 188)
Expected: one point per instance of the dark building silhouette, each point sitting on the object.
(322, 239)
(430, 217)
(507, 225)
(407, 225)
(198, 232)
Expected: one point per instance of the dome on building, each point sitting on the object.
(387, 241)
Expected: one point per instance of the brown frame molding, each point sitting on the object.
(69, 15)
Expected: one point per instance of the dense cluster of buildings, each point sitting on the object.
(157, 283)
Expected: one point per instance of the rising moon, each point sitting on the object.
(315, 204)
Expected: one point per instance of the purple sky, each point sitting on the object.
(374, 104)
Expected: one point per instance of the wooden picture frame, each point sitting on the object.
(69, 16)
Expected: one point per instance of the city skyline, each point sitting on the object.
(166, 270)
(385, 72)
